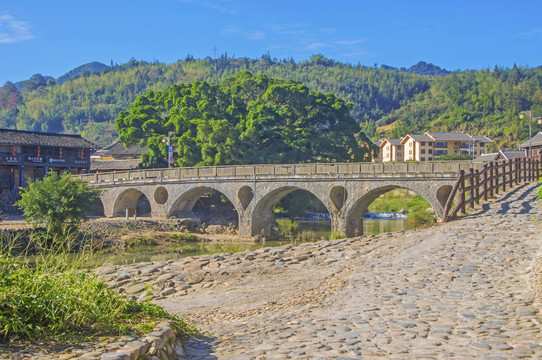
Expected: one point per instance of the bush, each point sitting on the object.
(55, 200)
(51, 296)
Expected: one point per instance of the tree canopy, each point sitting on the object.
(245, 119)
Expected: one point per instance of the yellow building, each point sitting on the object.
(431, 146)
(391, 150)
(417, 147)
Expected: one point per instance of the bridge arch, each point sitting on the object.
(185, 201)
(262, 213)
(355, 212)
(132, 198)
(97, 209)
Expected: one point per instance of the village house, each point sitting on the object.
(534, 144)
(29, 155)
(502, 155)
(117, 157)
(391, 150)
(430, 146)
(417, 147)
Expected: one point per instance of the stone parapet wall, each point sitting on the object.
(160, 344)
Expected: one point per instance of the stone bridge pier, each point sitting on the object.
(346, 196)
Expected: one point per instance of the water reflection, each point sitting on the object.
(294, 231)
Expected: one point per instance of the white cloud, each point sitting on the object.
(316, 45)
(222, 6)
(247, 34)
(533, 33)
(13, 31)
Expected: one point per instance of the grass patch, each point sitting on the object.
(395, 200)
(140, 241)
(49, 294)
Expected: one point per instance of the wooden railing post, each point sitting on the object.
(462, 193)
(531, 172)
(490, 178)
(471, 188)
(523, 170)
(504, 176)
(477, 186)
(485, 180)
(497, 175)
(511, 173)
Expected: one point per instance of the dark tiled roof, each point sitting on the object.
(118, 149)
(512, 154)
(395, 142)
(481, 138)
(108, 165)
(19, 137)
(535, 141)
(417, 137)
(486, 157)
(449, 136)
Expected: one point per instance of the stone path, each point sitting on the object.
(459, 290)
(468, 289)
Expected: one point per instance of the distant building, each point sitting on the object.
(431, 146)
(502, 155)
(117, 157)
(418, 147)
(391, 150)
(535, 143)
(29, 155)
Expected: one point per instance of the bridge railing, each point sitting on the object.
(281, 170)
(477, 184)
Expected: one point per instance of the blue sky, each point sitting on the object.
(52, 37)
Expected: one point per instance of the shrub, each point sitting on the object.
(55, 200)
(50, 295)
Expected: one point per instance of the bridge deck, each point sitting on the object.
(284, 169)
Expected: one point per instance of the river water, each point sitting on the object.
(296, 231)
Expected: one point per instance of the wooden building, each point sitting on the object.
(28, 155)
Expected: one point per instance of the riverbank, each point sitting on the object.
(463, 289)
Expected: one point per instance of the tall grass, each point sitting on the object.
(47, 292)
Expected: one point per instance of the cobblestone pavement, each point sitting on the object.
(459, 290)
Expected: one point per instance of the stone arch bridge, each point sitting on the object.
(345, 189)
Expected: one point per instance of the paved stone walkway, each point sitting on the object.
(459, 290)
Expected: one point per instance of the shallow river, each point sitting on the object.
(296, 231)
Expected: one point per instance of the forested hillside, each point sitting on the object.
(386, 101)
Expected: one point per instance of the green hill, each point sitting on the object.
(387, 101)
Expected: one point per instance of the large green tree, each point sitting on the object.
(246, 119)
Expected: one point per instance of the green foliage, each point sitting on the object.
(57, 199)
(298, 202)
(49, 296)
(478, 102)
(386, 101)
(336, 236)
(539, 197)
(396, 200)
(140, 241)
(180, 237)
(244, 119)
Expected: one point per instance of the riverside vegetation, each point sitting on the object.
(47, 290)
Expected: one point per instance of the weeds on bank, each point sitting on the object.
(47, 293)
